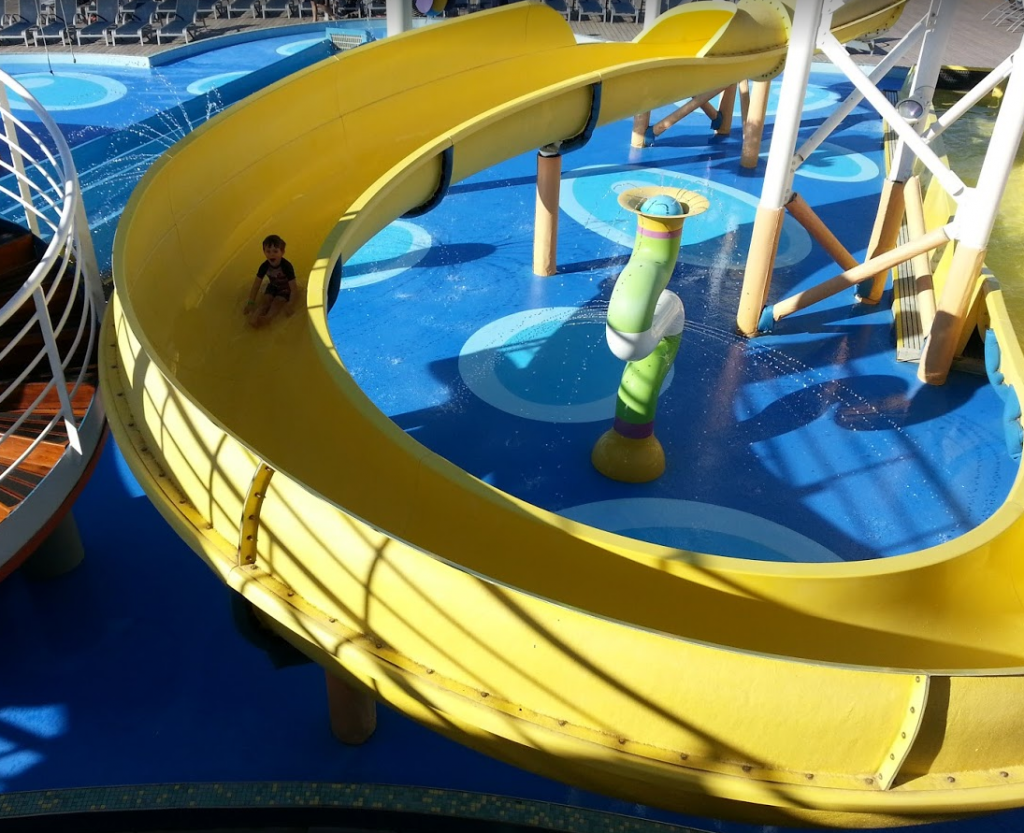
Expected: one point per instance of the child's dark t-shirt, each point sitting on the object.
(277, 275)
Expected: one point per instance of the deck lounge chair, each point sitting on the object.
(287, 8)
(560, 6)
(205, 8)
(93, 22)
(346, 8)
(185, 23)
(135, 24)
(591, 8)
(56, 25)
(622, 9)
(17, 25)
(238, 8)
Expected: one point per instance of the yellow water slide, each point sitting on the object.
(868, 693)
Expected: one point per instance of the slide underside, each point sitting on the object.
(865, 693)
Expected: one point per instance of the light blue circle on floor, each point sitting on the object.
(699, 527)
(68, 90)
(720, 237)
(549, 365)
(299, 45)
(396, 248)
(204, 85)
(837, 164)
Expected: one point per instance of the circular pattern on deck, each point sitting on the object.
(837, 164)
(211, 82)
(549, 365)
(62, 90)
(720, 237)
(398, 247)
(298, 46)
(700, 527)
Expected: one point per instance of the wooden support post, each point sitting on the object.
(641, 121)
(884, 235)
(353, 712)
(545, 230)
(757, 277)
(922, 264)
(805, 216)
(725, 108)
(693, 104)
(744, 90)
(753, 124)
(950, 314)
(884, 261)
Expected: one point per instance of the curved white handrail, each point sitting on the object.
(38, 179)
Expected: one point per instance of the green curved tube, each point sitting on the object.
(645, 276)
(630, 329)
(637, 401)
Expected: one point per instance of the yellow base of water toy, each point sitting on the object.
(628, 460)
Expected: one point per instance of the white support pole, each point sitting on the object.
(968, 100)
(837, 53)
(975, 218)
(399, 16)
(802, 42)
(829, 126)
(652, 8)
(926, 76)
(775, 192)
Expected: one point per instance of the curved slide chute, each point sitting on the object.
(865, 693)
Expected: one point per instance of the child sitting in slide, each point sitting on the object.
(281, 292)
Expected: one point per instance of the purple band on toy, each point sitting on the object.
(633, 431)
(661, 235)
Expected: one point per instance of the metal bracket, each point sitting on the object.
(907, 733)
(251, 507)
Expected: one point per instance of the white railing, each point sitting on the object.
(39, 182)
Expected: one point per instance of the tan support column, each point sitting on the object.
(641, 121)
(744, 90)
(725, 108)
(693, 104)
(862, 272)
(545, 228)
(353, 712)
(885, 235)
(821, 233)
(922, 264)
(753, 123)
(950, 315)
(757, 277)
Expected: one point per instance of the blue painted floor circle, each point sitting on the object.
(546, 364)
(65, 90)
(590, 197)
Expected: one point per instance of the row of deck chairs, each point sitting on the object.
(115, 21)
(602, 10)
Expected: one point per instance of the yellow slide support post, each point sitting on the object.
(868, 693)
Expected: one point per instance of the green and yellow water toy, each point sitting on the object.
(644, 328)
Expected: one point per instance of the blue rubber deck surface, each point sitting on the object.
(810, 444)
(130, 670)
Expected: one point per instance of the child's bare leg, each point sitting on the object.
(269, 314)
(261, 310)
